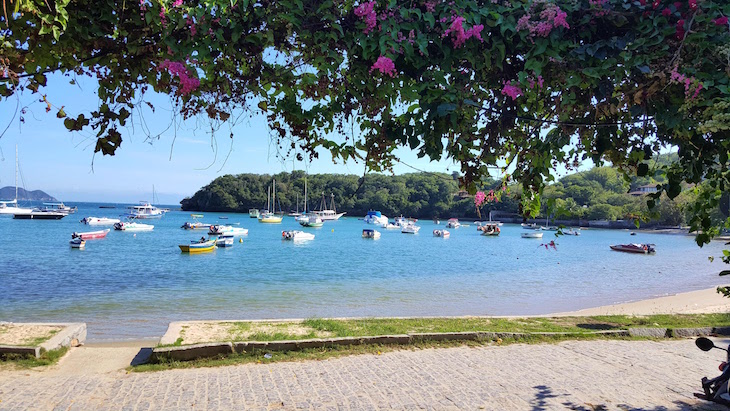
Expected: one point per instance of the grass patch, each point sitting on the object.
(26, 361)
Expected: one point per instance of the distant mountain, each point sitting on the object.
(8, 193)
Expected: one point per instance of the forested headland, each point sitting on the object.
(600, 193)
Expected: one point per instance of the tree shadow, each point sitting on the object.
(598, 326)
(543, 393)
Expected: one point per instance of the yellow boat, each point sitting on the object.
(198, 247)
(270, 218)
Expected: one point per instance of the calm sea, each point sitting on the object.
(132, 285)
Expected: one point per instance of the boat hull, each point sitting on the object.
(39, 216)
(531, 235)
(197, 248)
(77, 243)
(100, 221)
(633, 250)
(270, 220)
(91, 235)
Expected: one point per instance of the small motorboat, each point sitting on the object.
(571, 231)
(410, 228)
(196, 215)
(401, 221)
(296, 235)
(370, 233)
(40, 215)
(227, 229)
(126, 226)
(453, 223)
(100, 221)
(634, 248)
(441, 233)
(91, 235)
(531, 226)
(375, 217)
(532, 234)
(390, 226)
(224, 240)
(77, 243)
(196, 247)
(310, 220)
(436, 221)
(489, 229)
(195, 226)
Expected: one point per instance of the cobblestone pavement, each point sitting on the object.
(575, 375)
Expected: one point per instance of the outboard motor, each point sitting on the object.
(715, 389)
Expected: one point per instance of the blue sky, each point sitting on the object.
(60, 163)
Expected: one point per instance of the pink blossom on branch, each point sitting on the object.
(720, 21)
(175, 68)
(551, 17)
(460, 36)
(177, 3)
(367, 13)
(511, 91)
(385, 65)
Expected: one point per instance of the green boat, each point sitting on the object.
(310, 220)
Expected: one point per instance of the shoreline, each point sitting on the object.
(705, 301)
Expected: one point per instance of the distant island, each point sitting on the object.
(8, 193)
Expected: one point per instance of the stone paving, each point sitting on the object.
(575, 375)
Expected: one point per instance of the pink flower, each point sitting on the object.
(177, 3)
(461, 35)
(720, 21)
(175, 68)
(550, 17)
(666, 12)
(479, 198)
(693, 5)
(385, 65)
(367, 13)
(511, 91)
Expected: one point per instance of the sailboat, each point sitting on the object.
(268, 216)
(328, 214)
(11, 207)
(309, 219)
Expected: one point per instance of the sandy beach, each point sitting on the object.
(692, 302)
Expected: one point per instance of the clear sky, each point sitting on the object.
(63, 164)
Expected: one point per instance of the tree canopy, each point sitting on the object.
(519, 86)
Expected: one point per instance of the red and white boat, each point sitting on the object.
(634, 248)
(91, 235)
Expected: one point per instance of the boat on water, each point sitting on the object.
(268, 216)
(532, 234)
(224, 240)
(129, 226)
(436, 221)
(11, 207)
(375, 217)
(91, 235)
(529, 226)
(296, 235)
(39, 215)
(453, 223)
(410, 228)
(490, 229)
(328, 214)
(77, 243)
(253, 212)
(571, 231)
(390, 226)
(99, 221)
(107, 206)
(55, 208)
(441, 233)
(195, 225)
(144, 210)
(196, 247)
(634, 248)
(401, 221)
(310, 220)
(370, 233)
(227, 230)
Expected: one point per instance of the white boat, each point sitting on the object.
(532, 234)
(571, 231)
(268, 216)
(390, 226)
(77, 243)
(90, 235)
(11, 207)
(370, 233)
(253, 212)
(489, 229)
(99, 221)
(529, 226)
(441, 233)
(401, 221)
(296, 235)
(195, 225)
(410, 228)
(310, 220)
(436, 221)
(375, 217)
(227, 230)
(144, 210)
(453, 223)
(328, 214)
(224, 240)
(55, 208)
(127, 226)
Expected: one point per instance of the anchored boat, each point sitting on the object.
(370, 233)
(634, 248)
(196, 247)
(126, 226)
(296, 235)
(441, 233)
(99, 221)
(91, 235)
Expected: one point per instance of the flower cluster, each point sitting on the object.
(385, 65)
(720, 21)
(366, 12)
(460, 36)
(177, 3)
(510, 90)
(688, 82)
(599, 7)
(539, 83)
(550, 17)
(175, 68)
(481, 198)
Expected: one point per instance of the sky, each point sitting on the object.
(63, 163)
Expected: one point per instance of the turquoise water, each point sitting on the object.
(132, 286)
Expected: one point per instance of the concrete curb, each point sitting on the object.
(191, 352)
(72, 335)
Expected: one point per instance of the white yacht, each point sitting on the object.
(296, 235)
(375, 217)
(11, 207)
(328, 214)
(144, 211)
(56, 208)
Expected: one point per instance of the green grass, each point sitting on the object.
(25, 361)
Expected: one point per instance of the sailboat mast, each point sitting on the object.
(305, 194)
(268, 199)
(273, 199)
(16, 174)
